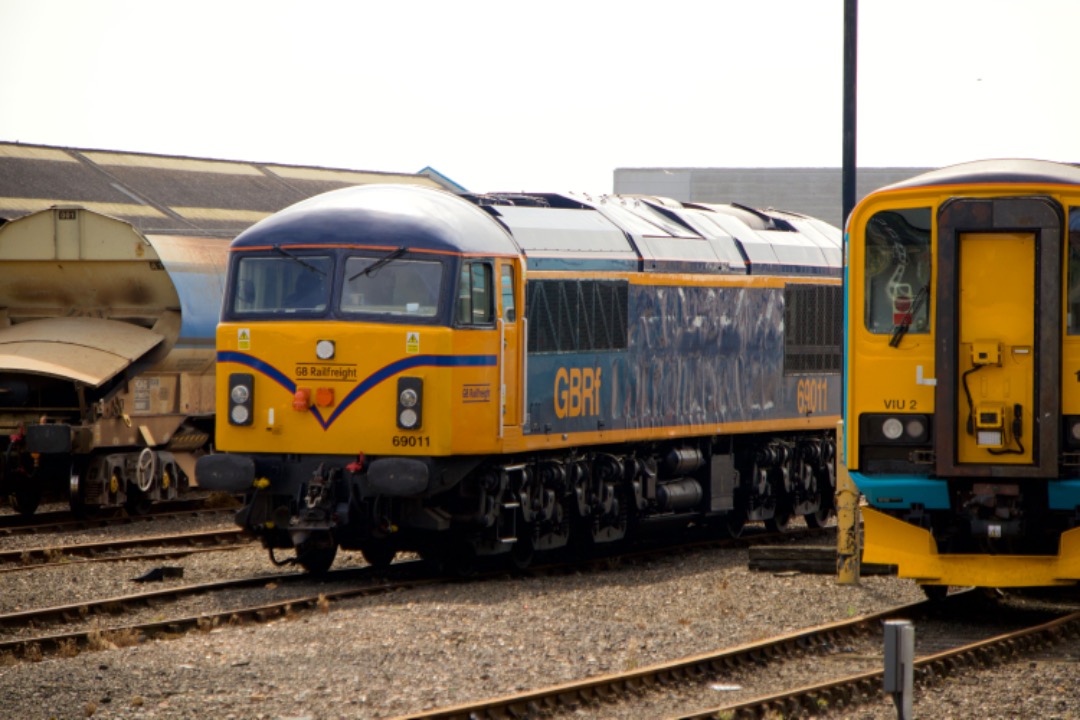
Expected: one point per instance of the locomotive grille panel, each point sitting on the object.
(813, 328)
(576, 315)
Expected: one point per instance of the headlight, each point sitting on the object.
(239, 394)
(410, 403)
(898, 429)
(892, 428)
(324, 349)
(241, 398)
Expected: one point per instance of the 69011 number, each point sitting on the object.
(411, 441)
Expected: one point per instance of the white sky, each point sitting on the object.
(548, 95)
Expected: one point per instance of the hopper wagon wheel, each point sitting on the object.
(79, 508)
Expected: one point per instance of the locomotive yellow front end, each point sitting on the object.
(961, 394)
(361, 364)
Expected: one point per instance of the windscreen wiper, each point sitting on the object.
(296, 258)
(394, 254)
(900, 330)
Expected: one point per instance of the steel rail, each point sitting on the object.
(604, 687)
(64, 522)
(37, 556)
(34, 648)
(929, 668)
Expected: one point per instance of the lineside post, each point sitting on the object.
(899, 676)
(848, 552)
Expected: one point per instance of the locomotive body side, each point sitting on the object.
(962, 340)
(571, 372)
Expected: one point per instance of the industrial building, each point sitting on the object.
(811, 191)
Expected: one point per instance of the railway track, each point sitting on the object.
(87, 616)
(846, 653)
(114, 550)
(68, 622)
(64, 521)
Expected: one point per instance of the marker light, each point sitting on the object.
(239, 415)
(915, 428)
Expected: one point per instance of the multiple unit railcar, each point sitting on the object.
(402, 368)
(962, 408)
(106, 359)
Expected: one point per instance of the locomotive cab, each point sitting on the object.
(356, 369)
(959, 398)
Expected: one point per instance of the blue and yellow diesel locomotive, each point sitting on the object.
(402, 368)
(962, 406)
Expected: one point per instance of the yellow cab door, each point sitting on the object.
(510, 346)
(998, 326)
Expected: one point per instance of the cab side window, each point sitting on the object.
(475, 297)
(1072, 308)
(508, 310)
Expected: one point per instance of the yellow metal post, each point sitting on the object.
(848, 552)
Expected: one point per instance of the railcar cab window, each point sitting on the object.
(897, 272)
(1072, 310)
(283, 283)
(475, 296)
(392, 286)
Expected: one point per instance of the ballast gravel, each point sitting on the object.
(398, 654)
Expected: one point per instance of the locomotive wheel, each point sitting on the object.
(25, 500)
(461, 560)
(733, 523)
(778, 523)
(818, 518)
(378, 553)
(317, 553)
(522, 553)
(935, 593)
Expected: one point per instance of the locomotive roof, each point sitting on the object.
(557, 231)
(383, 216)
(1001, 171)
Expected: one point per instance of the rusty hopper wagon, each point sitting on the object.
(106, 358)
